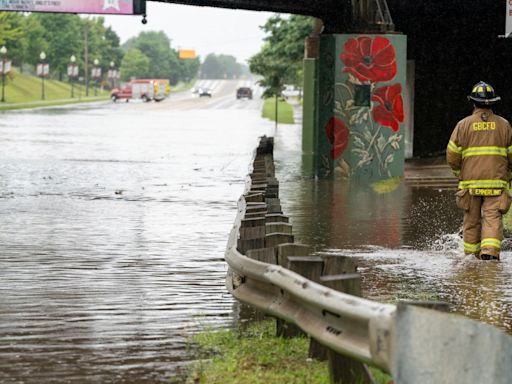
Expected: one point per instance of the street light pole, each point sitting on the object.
(96, 76)
(71, 74)
(3, 51)
(112, 74)
(42, 56)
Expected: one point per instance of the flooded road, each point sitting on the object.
(408, 241)
(113, 225)
(114, 220)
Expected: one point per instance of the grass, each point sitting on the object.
(284, 110)
(256, 355)
(24, 91)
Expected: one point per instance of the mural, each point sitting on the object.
(361, 106)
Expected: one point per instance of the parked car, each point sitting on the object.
(290, 91)
(205, 92)
(244, 92)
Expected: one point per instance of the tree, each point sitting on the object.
(134, 65)
(34, 40)
(111, 50)
(212, 67)
(220, 67)
(282, 53)
(9, 27)
(188, 69)
(63, 34)
(164, 62)
(273, 70)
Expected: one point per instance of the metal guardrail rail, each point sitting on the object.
(414, 344)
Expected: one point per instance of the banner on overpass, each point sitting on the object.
(111, 7)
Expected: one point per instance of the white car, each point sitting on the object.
(290, 91)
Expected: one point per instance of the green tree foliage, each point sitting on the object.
(134, 65)
(61, 36)
(64, 38)
(103, 44)
(164, 62)
(280, 59)
(33, 41)
(188, 69)
(16, 47)
(112, 51)
(220, 67)
(9, 27)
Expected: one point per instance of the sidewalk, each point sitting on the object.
(430, 172)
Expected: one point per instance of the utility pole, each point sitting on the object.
(276, 114)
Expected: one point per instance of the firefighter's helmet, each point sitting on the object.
(483, 93)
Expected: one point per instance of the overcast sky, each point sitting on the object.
(204, 29)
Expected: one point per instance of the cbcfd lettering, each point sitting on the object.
(484, 125)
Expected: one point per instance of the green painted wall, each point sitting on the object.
(308, 107)
(360, 106)
(309, 117)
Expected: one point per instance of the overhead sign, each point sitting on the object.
(187, 54)
(116, 7)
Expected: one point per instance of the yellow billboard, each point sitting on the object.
(187, 54)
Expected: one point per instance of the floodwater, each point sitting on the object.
(408, 242)
(113, 225)
(114, 220)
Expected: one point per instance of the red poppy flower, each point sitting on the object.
(370, 59)
(390, 111)
(338, 134)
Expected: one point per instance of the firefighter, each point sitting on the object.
(480, 154)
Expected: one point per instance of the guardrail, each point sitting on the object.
(414, 344)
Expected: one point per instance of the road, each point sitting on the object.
(114, 221)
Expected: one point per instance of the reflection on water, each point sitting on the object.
(112, 235)
(114, 224)
(408, 241)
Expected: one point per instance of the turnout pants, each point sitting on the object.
(483, 226)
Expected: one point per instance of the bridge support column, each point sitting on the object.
(360, 106)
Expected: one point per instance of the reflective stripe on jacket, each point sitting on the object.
(480, 150)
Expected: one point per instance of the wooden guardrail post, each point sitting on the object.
(274, 239)
(309, 267)
(254, 197)
(284, 251)
(340, 273)
(252, 234)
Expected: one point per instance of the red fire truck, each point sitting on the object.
(142, 89)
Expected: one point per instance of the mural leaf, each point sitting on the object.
(381, 143)
(358, 142)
